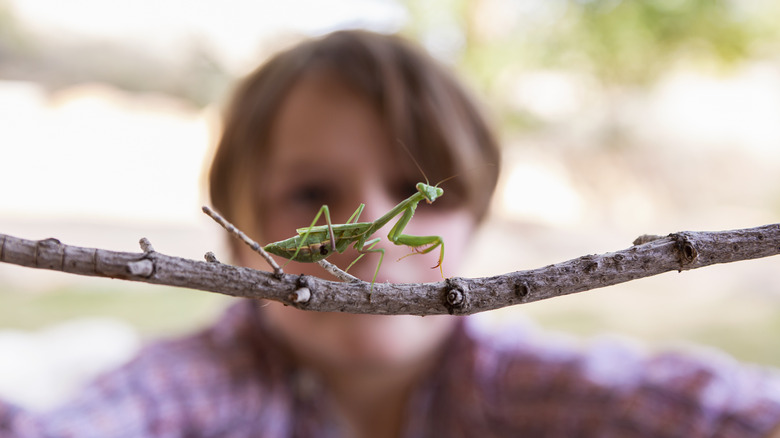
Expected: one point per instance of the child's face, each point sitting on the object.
(329, 147)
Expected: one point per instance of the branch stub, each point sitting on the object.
(141, 268)
(303, 292)
(146, 245)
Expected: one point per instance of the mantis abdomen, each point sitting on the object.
(313, 245)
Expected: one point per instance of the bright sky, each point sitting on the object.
(235, 27)
(97, 152)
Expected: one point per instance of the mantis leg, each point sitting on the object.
(371, 243)
(323, 209)
(356, 214)
(416, 242)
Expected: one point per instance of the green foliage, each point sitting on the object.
(617, 41)
(12, 38)
(635, 41)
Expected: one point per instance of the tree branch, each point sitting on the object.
(651, 255)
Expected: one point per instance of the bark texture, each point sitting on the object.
(651, 255)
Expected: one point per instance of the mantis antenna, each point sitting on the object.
(408, 152)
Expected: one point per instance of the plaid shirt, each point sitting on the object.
(232, 380)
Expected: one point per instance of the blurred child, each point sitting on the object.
(321, 124)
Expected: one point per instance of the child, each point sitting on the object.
(323, 123)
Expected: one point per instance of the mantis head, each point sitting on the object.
(429, 192)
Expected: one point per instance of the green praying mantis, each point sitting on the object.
(315, 243)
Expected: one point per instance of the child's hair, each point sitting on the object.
(424, 107)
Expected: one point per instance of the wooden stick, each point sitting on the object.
(461, 296)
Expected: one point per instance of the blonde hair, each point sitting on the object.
(423, 105)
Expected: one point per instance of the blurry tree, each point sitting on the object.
(594, 63)
(632, 42)
(618, 42)
(12, 38)
(194, 75)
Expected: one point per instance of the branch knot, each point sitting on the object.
(44, 249)
(685, 248)
(455, 295)
(522, 289)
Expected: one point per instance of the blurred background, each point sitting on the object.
(618, 118)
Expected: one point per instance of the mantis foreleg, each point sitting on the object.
(397, 237)
(417, 242)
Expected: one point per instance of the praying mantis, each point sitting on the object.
(319, 242)
(315, 243)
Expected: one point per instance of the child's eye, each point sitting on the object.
(309, 195)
